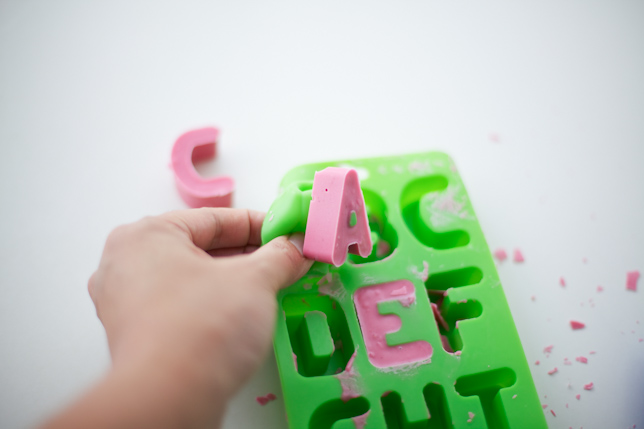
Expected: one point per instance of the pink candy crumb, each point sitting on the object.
(500, 255)
(553, 371)
(576, 325)
(631, 280)
(553, 412)
(518, 256)
(578, 396)
(581, 359)
(562, 282)
(263, 400)
(589, 386)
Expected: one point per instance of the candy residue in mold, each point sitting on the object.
(576, 325)
(447, 206)
(446, 345)
(361, 421)
(423, 275)
(471, 416)
(631, 280)
(348, 380)
(398, 292)
(330, 285)
(518, 256)
(375, 326)
(419, 167)
(500, 255)
(439, 317)
(263, 400)
(382, 248)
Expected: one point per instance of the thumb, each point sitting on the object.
(280, 263)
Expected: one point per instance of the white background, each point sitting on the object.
(93, 95)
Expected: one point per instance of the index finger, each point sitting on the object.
(217, 227)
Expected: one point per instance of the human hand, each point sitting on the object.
(187, 300)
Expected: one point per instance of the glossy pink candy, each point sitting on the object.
(196, 191)
(337, 218)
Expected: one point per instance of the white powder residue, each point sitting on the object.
(447, 207)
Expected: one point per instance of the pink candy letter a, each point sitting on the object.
(337, 218)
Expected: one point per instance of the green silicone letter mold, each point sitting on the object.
(416, 335)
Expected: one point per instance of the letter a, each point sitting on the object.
(337, 218)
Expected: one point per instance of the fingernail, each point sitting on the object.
(297, 239)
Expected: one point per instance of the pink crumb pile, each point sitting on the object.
(361, 421)
(500, 255)
(518, 256)
(576, 325)
(631, 280)
(263, 400)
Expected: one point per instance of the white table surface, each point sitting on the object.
(93, 94)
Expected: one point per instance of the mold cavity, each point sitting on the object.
(436, 414)
(393, 409)
(332, 411)
(383, 234)
(448, 313)
(410, 205)
(455, 278)
(447, 317)
(437, 404)
(305, 185)
(486, 385)
(319, 334)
